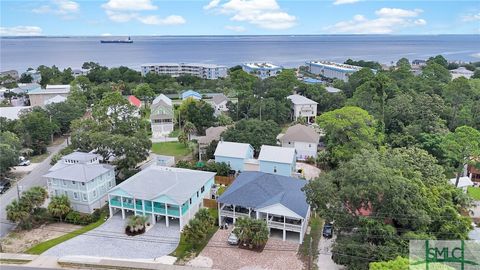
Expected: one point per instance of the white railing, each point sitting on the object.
(227, 213)
(288, 226)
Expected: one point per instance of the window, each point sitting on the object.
(190, 200)
(202, 189)
(197, 194)
(73, 182)
(64, 182)
(84, 196)
(94, 193)
(83, 183)
(109, 184)
(56, 192)
(275, 169)
(75, 196)
(309, 145)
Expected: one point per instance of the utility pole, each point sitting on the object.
(310, 254)
(19, 190)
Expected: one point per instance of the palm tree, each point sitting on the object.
(189, 128)
(17, 212)
(59, 206)
(182, 138)
(251, 232)
(36, 196)
(204, 216)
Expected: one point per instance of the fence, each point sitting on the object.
(210, 203)
(224, 180)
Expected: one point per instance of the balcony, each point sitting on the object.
(173, 212)
(228, 213)
(115, 203)
(287, 225)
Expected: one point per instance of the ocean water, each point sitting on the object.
(289, 51)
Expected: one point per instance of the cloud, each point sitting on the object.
(235, 28)
(388, 21)
(21, 31)
(169, 20)
(471, 17)
(211, 4)
(342, 2)
(127, 10)
(129, 5)
(106, 34)
(63, 8)
(265, 14)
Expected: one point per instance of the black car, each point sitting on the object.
(4, 185)
(328, 230)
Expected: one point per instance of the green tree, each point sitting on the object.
(18, 212)
(189, 129)
(399, 263)
(198, 112)
(348, 131)
(435, 72)
(63, 113)
(183, 138)
(25, 78)
(252, 232)
(35, 196)
(476, 74)
(247, 131)
(357, 79)
(37, 130)
(59, 206)
(10, 147)
(462, 147)
(461, 97)
(439, 59)
(144, 92)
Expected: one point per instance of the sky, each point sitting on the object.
(237, 17)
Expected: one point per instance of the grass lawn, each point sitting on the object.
(184, 248)
(316, 227)
(39, 158)
(474, 192)
(171, 149)
(42, 247)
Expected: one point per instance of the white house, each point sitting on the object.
(304, 139)
(262, 70)
(205, 71)
(303, 107)
(219, 103)
(161, 116)
(464, 182)
(331, 70)
(82, 178)
(461, 72)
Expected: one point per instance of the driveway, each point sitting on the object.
(34, 178)
(310, 171)
(109, 240)
(325, 261)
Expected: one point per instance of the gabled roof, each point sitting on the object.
(81, 157)
(51, 89)
(12, 113)
(301, 100)
(218, 99)
(134, 101)
(56, 99)
(156, 181)
(191, 93)
(462, 182)
(300, 133)
(332, 89)
(79, 172)
(212, 133)
(232, 149)
(163, 98)
(258, 190)
(277, 154)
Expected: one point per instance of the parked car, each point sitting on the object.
(232, 239)
(4, 185)
(328, 230)
(23, 161)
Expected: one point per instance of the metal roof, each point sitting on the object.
(80, 172)
(277, 154)
(232, 149)
(155, 181)
(258, 190)
(300, 100)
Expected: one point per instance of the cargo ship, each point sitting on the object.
(128, 40)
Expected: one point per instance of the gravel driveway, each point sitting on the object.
(110, 240)
(325, 261)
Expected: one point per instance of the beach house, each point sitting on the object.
(161, 116)
(303, 107)
(234, 154)
(83, 179)
(39, 97)
(163, 194)
(303, 139)
(277, 160)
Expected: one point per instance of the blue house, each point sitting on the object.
(234, 154)
(277, 160)
(164, 194)
(191, 94)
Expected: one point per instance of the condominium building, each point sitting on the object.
(331, 70)
(81, 178)
(262, 70)
(204, 71)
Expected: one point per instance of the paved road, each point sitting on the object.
(325, 261)
(22, 267)
(34, 178)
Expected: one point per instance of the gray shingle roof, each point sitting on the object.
(217, 99)
(300, 133)
(257, 190)
(298, 99)
(79, 172)
(155, 181)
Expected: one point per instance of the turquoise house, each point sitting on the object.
(277, 160)
(191, 94)
(164, 194)
(234, 154)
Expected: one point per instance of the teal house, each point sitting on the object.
(277, 160)
(237, 155)
(164, 194)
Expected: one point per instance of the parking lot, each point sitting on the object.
(276, 255)
(109, 240)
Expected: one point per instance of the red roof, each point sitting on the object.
(134, 101)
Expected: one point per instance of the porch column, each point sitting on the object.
(284, 231)
(219, 215)
(268, 226)
(123, 213)
(153, 219)
(166, 215)
(180, 216)
(301, 232)
(258, 215)
(110, 206)
(143, 207)
(249, 212)
(233, 214)
(134, 206)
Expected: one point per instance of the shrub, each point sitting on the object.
(73, 217)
